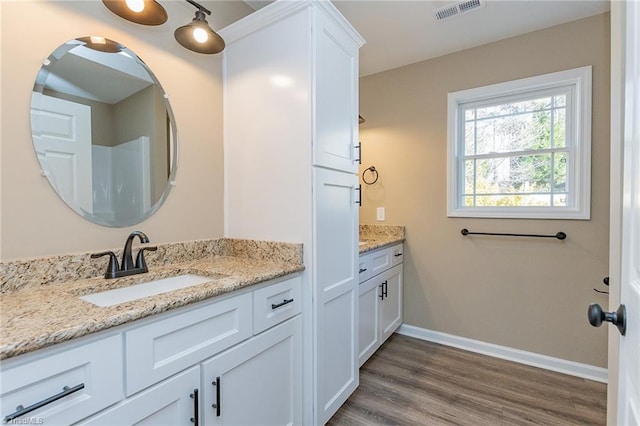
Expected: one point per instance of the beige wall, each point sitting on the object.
(33, 220)
(521, 293)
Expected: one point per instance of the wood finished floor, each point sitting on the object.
(414, 382)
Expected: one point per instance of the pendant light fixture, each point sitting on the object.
(145, 12)
(198, 35)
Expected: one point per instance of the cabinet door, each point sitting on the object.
(391, 306)
(172, 403)
(368, 318)
(336, 95)
(258, 382)
(335, 289)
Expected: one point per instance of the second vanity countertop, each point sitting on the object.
(35, 317)
(376, 236)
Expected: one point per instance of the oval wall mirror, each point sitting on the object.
(103, 131)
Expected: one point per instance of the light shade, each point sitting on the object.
(151, 13)
(198, 36)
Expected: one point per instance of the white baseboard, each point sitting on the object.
(559, 365)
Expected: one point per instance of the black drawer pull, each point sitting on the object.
(284, 302)
(196, 418)
(217, 403)
(362, 270)
(384, 289)
(21, 411)
(398, 254)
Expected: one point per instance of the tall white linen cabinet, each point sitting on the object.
(290, 74)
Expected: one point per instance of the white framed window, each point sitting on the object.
(521, 149)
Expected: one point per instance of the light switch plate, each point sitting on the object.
(380, 214)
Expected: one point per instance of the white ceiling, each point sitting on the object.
(400, 32)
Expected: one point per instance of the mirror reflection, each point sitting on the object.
(103, 131)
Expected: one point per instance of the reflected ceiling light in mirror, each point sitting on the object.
(101, 44)
(145, 12)
(197, 35)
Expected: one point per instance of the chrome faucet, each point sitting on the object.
(127, 266)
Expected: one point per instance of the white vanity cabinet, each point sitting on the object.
(160, 370)
(380, 294)
(290, 118)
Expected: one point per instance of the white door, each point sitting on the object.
(257, 382)
(62, 139)
(628, 410)
(336, 289)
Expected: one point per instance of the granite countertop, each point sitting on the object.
(376, 236)
(34, 317)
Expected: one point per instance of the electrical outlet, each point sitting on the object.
(380, 214)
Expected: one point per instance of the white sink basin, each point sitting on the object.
(138, 291)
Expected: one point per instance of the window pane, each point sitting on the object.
(490, 174)
(514, 133)
(560, 172)
(468, 177)
(515, 200)
(514, 107)
(559, 127)
(528, 173)
(532, 173)
(560, 100)
(470, 114)
(468, 201)
(560, 200)
(469, 137)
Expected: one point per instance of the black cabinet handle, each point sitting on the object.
(21, 411)
(398, 254)
(362, 270)
(384, 289)
(284, 302)
(196, 418)
(216, 405)
(381, 295)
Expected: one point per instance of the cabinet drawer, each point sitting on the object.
(276, 303)
(397, 254)
(164, 347)
(91, 374)
(379, 261)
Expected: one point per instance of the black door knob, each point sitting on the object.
(596, 316)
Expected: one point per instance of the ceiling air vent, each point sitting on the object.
(457, 9)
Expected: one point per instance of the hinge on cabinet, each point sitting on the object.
(359, 148)
(359, 189)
